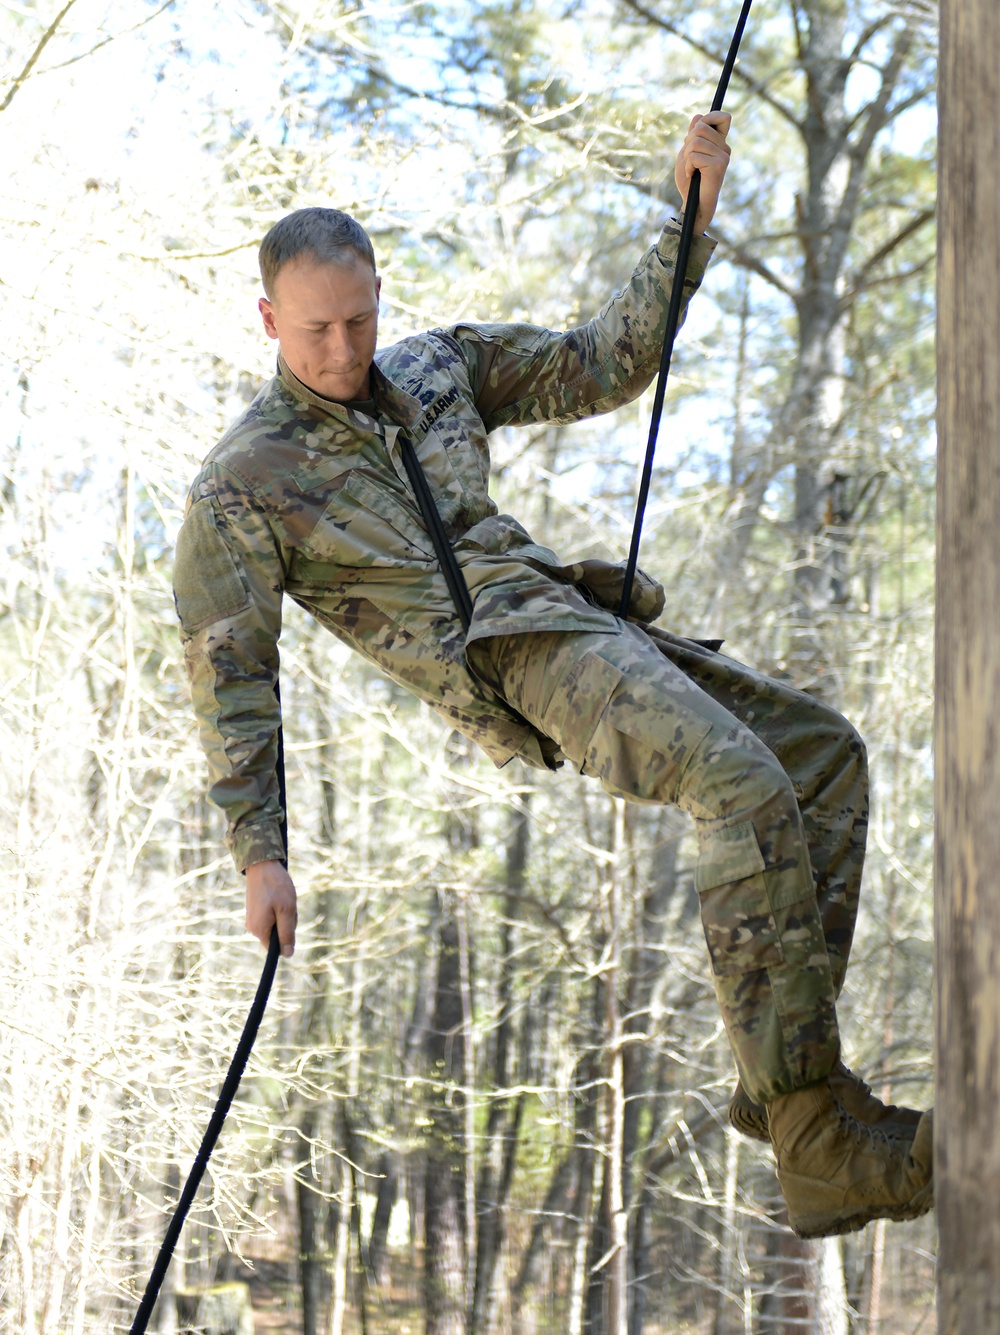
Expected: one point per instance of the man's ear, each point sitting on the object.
(267, 315)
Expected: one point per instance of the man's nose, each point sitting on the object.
(339, 343)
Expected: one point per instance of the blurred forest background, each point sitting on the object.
(497, 1042)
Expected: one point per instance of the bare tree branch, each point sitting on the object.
(885, 281)
(886, 249)
(866, 35)
(876, 112)
(46, 37)
(754, 85)
(746, 260)
(113, 38)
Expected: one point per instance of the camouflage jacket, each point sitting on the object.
(309, 497)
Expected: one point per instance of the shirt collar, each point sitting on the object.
(395, 403)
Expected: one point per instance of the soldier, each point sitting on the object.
(312, 493)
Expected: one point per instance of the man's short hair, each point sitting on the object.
(328, 235)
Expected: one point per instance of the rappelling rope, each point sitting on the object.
(673, 319)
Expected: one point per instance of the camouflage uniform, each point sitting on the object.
(308, 497)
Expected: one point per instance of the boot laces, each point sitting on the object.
(866, 1091)
(855, 1079)
(864, 1136)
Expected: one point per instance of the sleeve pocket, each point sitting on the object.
(207, 583)
(740, 929)
(523, 339)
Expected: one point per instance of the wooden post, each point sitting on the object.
(967, 726)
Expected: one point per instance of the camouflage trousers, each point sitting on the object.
(777, 785)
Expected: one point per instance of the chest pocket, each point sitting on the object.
(455, 458)
(365, 524)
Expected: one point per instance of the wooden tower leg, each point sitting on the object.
(967, 726)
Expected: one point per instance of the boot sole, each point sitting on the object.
(833, 1223)
(745, 1118)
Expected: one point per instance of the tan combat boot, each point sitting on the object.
(853, 1095)
(837, 1174)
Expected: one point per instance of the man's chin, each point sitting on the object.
(342, 388)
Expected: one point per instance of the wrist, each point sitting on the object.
(258, 841)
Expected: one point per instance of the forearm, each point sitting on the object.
(522, 374)
(238, 721)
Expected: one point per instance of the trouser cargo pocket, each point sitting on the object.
(740, 928)
(554, 679)
(577, 707)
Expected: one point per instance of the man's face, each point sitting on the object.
(326, 316)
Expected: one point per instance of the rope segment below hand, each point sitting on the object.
(224, 1103)
(229, 1086)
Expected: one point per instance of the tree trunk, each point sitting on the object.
(967, 907)
(444, 1269)
(643, 1087)
(309, 1204)
(838, 141)
(341, 1252)
(617, 1222)
(585, 1127)
(387, 1172)
(729, 1249)
(607, 1289)
(502, 1125)
(788, 1284)
(530, 1273)
(831, 1289)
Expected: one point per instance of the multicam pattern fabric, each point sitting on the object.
(777, 785)
(309, 498)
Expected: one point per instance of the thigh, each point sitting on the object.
(797, 728)
(618, 707)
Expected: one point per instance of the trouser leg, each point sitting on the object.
(824, 757)
(622, 711)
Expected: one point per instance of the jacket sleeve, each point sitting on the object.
(228, 583)
(523, 373)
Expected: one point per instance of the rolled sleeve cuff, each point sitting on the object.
(702, 248)
(259, 842)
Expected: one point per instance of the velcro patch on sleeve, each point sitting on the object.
(207, 583)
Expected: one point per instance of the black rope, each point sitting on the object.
(225, 1100)
(673, 319)
(229, 1086)
(279, 769)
